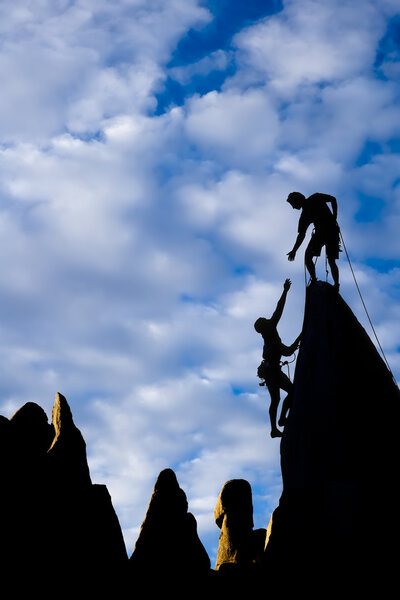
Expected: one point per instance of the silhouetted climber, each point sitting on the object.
(314, 209)
(270, 368)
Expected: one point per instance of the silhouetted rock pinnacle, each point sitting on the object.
(68, 450)
(338, 451)
(89, 537)
(337, 430)
(168, 543)
(238, 543)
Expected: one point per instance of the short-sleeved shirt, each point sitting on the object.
(317, 212)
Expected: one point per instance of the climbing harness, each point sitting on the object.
(262, 369)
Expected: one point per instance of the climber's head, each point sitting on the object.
(261, 324)
(296, 200)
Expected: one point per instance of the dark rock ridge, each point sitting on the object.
(59, 531)
(332, 533)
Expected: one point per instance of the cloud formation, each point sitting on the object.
(139, 245)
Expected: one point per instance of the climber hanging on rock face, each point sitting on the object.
(314, 209)
(270, 368)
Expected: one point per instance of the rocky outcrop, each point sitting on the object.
(168, 543)
(344, 399)
(88, 534)
(67, 452)
(338, 453)
(239, 544)
(59, 531)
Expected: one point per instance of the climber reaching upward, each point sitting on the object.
(314, 209)
(270, 368)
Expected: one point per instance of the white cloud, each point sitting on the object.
(74, 64)
(216, 61)
(238, 128)
(312, 42)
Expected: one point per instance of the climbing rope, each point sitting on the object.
(326, 267)
(362, 300)
(287, 363)
(365, 308)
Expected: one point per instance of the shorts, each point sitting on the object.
(328, 237)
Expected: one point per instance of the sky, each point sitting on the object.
(147, 148)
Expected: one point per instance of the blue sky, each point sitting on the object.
(146, 151)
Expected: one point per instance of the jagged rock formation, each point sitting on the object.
(168, 543)
(59, 531)
(239, 544)
(67, 451)
(89, 534)
(338, 454)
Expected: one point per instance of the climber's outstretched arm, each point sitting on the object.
(281, 303)
(299, 240)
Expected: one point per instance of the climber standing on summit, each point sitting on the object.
(314, 209)
(270, 368)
